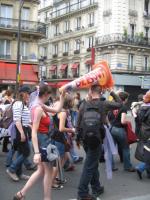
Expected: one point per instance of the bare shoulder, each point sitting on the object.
(38, 110)
(62, 114)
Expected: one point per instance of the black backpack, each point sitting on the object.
(93, 130)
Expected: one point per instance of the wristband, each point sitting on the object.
(37, 153)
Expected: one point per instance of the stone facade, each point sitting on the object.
(120, 31)
(29, 28)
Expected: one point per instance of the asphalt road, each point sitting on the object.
(123, 186)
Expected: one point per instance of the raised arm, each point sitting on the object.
(112, 105)
(56, 108)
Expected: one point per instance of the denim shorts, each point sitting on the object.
(43, 139)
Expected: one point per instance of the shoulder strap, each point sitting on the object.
(146, 114)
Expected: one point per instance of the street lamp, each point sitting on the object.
(21, 3)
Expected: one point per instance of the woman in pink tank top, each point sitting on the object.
(40, 126)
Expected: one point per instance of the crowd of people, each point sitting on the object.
(48, 128)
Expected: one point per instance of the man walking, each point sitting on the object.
(90, 128)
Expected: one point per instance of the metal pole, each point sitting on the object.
(18, 47)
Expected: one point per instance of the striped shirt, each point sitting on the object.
(21, 113)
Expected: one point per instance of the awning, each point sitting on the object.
(53, 68)
(27, 74)
(53, 85)
(75, 66)
(35, 68)
(63, 66)
(88, 62)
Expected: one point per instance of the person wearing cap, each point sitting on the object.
(22, 120)
(144, 132)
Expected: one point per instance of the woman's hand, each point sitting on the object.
(62, 95)
(37, 158)
(72, 132)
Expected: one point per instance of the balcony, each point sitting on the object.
(78, 28)
(107, 13)
(5, 56)
(133, 13)
(54, 76)
(74, 8)
(55, 55)
(76, 51)
(122, 39)
(146, 15)
(75, 75)
(67, 31)
(65, 54)
(64, 76)
(57, 34)
(91, 24)
(88, 49)
(25, 57)
(33, 28)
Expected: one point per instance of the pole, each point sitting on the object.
(18, 47)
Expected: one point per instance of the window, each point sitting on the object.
(25, 16)
(146, 7)
(6, 13)
(45, 51)
(78, 4)
(77, 43)
(24, 50)
(4, 48)
(46, 31)
(90, 41)
(132, 30)
(130, 61)
(66, 26)
(78, 23)
(76, 70)
(107, 57)
(132, 4)
(55, 49)
(91, 1)
(66, 47)
(91, 19)
(145, 63)
(43, 72)
(46, 16)
(107, 4)
(56, 30)
(146, 32)
(67, 7)
(88, 67)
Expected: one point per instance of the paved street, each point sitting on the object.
(123, 186)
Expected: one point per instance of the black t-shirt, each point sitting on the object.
(115, 117)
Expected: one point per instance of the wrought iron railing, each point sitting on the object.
(4, 56)
(73, 7)
(31, 26)
(122, 39)
(133, 13)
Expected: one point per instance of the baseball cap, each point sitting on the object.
(25, 88)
